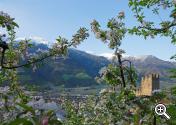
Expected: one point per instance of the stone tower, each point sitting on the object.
(149, 83)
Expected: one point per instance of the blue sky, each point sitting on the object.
(51, 18)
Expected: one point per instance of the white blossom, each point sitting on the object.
(121, 14)
(174, 1)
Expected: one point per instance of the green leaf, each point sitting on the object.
(15, 24)
(55, 122)
(26, 107)
(21, 121)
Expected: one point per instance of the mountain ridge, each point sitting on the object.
(80, 68)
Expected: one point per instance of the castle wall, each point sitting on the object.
(156, 82)
(148, 84)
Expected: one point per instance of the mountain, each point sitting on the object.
(150, 64)
(77, 69)
(80, 68)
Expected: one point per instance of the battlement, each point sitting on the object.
(149, 83)
(150, 76)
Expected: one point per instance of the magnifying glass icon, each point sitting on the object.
(160, 109)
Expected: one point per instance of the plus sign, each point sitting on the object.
(160, 109)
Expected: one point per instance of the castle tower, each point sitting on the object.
(148, 85)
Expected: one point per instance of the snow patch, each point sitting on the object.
(107, 55)
(39, 40)
(90, 52)
(143, 57)
(35, 39)
(110, 55)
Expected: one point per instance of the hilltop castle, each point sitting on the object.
(149, 83)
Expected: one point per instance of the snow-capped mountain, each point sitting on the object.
(34, 40)
(80, 68)
(140, 58)
(110, 56)
(143, 58)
